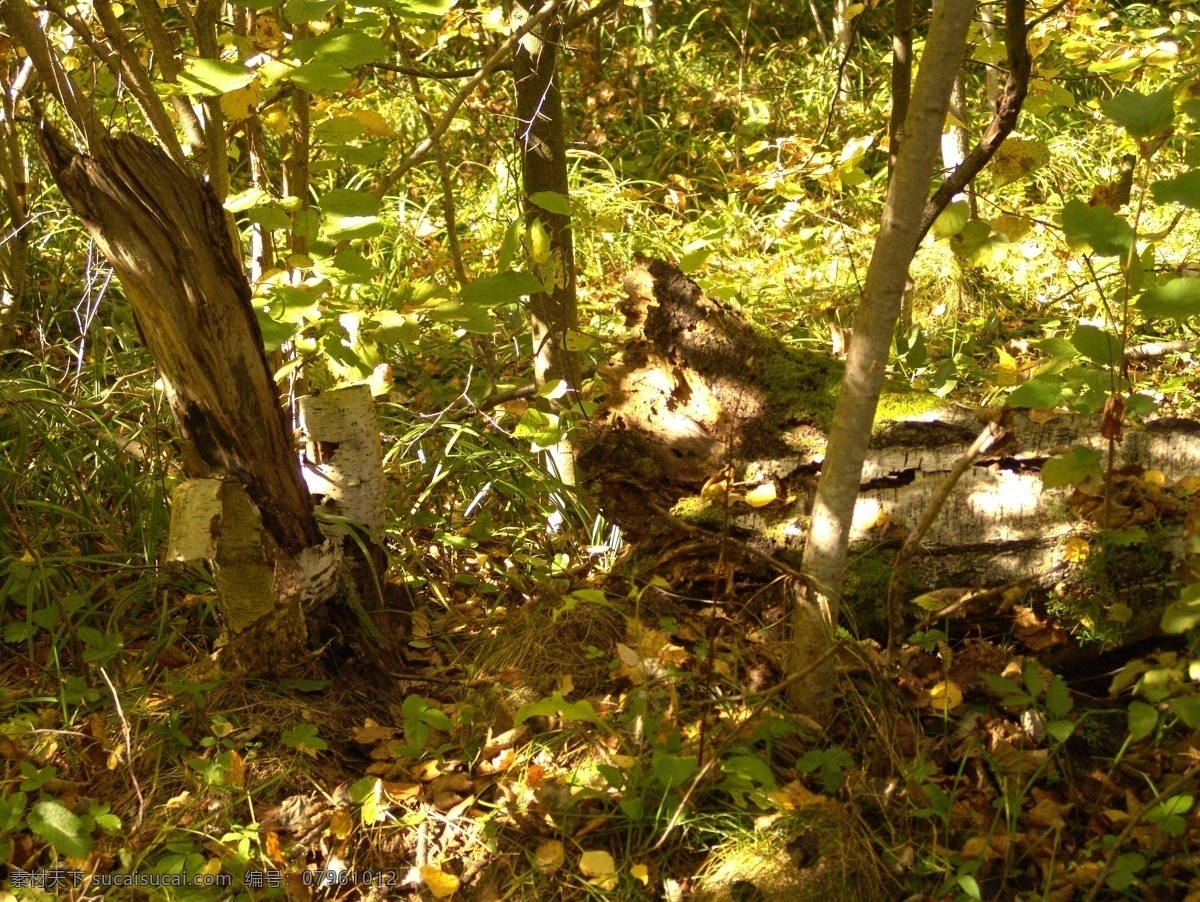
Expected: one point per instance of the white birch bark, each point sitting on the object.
(815, 614)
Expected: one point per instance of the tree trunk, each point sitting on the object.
(164, 232)
(829, 534)
(542, 146)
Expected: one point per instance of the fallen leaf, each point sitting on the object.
(550, 856)
(761, 495)
(597, 863)
(640, 873)
(944, 696)
(441, 885)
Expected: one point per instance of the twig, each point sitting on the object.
(990, 436)
(1007, 110)
(137, 788)
(584, 17)
(1110, 859)
(491, 65)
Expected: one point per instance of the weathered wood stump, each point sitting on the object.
(712, 422)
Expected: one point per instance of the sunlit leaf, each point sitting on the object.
(551, 202)
(1142, 720)
(1108, 234)
(1177, 299)
(503, 288)
(207, 77)
(1141, 114)
(1183, 189)
(1071, 468)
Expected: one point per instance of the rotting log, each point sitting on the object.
(704, 411)
(245, 506)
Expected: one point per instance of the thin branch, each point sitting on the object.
(418, 72)
(448, 206)
(991, 435)
(491, 65)
(584, 17)
(1009, 107)
(18, 18)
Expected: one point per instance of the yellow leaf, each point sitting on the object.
(945, 696)
(539, 242)
(277, 121)
(761, 495)
(550, 856)
(1155, 478)
(441, 885)
(1008, 372)
(373, 124)
(211, 867)
(241, 103)
(597, 863)
(1077, 550)
(641, 873)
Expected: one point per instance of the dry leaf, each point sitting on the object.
(944, 696)
(597, 863)
(441, 885)
(550, 856)
(235, 773)
(761, 495)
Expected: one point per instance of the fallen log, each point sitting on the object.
(710, 421)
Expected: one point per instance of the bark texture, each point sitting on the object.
(165, 235)
(541, 143)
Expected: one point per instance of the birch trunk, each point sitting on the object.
(816, 604)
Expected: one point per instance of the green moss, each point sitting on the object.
(802, 384)
(698, 512)
(901, 404)
(1120, 590)
(865, 588)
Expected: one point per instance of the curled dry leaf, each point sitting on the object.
(550, 856)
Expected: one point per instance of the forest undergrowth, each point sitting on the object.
(538, 715)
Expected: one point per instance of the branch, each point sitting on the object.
(418, 72)
(19, 20)
(992, 434)
(584, 17)
(1015, 89)
(493, 63)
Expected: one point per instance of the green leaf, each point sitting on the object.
(672, 770)
(1058, 698)
(304, 737)
(557, 705)
(1031, 676)
(347, 214)
(1180, 616)
(503, 288)
(1037, 393)
(1142, 720)
(1108, 234)
(11, 808)
(952, 220)
(551, 202)
(343, 47)
(1187, 709)
(1098, 345)
(209, 78)
(1060, 730)
(273, 333)
(1183, 189)
(414, 9)
(307, 10)
(1071, 468)
(1141, 114)
(1125, 869)
(1178, 299)
(971, 238)
(693, 260)
(321, 77)
(61, 827)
